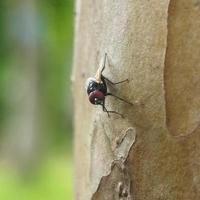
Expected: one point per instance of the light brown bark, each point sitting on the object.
(152, 153)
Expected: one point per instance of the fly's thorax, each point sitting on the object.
(93, 85)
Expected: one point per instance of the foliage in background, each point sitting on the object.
(56, 60)
(52, 181)
(55, 41)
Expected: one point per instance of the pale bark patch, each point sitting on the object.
(182, 68)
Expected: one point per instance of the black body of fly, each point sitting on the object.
(97, 89)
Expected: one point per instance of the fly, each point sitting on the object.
(97, 89)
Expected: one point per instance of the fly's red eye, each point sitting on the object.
(96, 97)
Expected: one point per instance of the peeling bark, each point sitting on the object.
(182, 68)
(152, 153)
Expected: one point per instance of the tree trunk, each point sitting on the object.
(154, 151)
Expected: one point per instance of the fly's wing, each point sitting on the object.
(98, 75)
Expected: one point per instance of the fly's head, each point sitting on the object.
(97, 97)
(96, 91)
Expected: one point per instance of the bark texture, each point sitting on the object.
(154, 152)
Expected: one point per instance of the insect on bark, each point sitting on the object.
(97, 89)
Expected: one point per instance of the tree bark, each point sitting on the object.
(153, 152)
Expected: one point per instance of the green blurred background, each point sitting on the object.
(36, 39)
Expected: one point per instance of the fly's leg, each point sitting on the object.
(113, 83)
(110, 111)
(110, 94)
(103, 77)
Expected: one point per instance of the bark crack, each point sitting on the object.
(165, 59)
